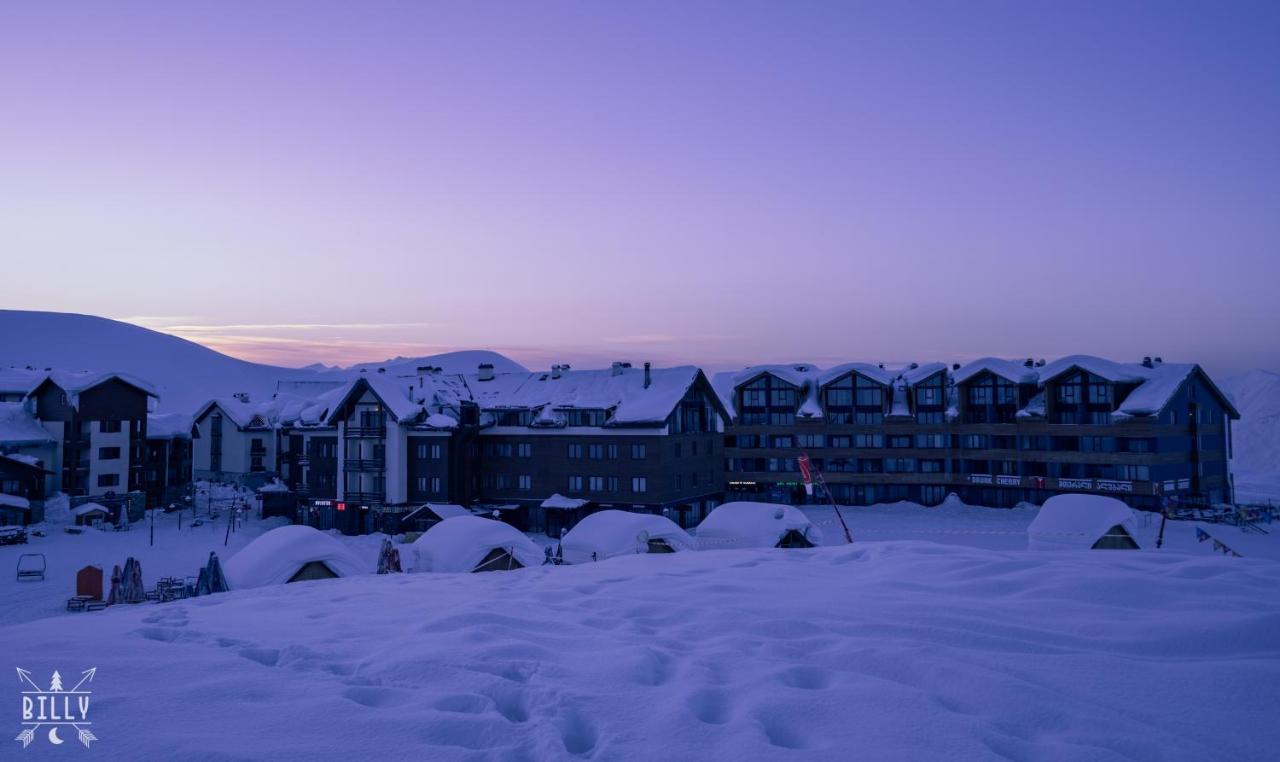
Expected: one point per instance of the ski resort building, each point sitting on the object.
(994, 431)
(167, 474)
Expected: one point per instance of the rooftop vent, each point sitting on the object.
(242, 396)
(618, 367)
(955, 366)
(1030, 363)
(486, 371)
(1040, 363)
(880, 365)
(915, 365)
(555, 371)
(1146, 362)
(1159, 360)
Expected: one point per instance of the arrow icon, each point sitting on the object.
(26, 676)
(88, 678)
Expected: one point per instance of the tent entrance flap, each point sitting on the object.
(1116, 538)
(498, 559)
(660, 546)
(794, 539)
(313, 570)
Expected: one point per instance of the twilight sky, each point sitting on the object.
(717, 183)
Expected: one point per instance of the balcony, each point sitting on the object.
(370, 464)
(372, 432)
(362, 498)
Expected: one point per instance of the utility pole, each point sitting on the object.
(153, 526)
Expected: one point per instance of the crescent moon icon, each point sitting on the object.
(53, 736)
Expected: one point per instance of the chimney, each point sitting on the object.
(424, 370)
(1146, 362)
(1040, 363)
(955, 366)
(646, 375)
(1030, 363)
(382, 370)
(242, 397)
(486, 372)
(616, 370)
(915, 365)
(555, 371)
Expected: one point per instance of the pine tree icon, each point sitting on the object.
(56, 685)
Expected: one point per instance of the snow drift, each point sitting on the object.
(754, 525)
(275, 557)
(1076, 522)
(460, 543)
(619, 533)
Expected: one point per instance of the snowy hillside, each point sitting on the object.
(185, 373)
(894, 650)
(1257, 434)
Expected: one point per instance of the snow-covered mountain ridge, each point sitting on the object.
(185, 373)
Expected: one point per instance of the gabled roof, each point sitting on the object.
(923, 372)
(1009, 370)
(1103, 368)
(168, 426)
(77, 382)
(872, 372)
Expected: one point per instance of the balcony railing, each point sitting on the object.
(369, 464)
(362, 498)
(366, 431)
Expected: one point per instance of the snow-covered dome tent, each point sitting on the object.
(757, 525)
(618, 533)
(473, 544)
(291, 554)
(1079, 521)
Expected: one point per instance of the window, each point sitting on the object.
(812, 441)
(595, 451)
(108, 480)
(928, 395)
(420, 452)
(781, 442)
(931, 466)
(611, 452)
(612, 482)
(1134, 473)
(639, 484)
(524, 482)
(421, 483)
(575, 450)
(596, 484)
(108, 453)
(980, 395)
(841, 442)
(109, 427)
(929, 418)
(1069, 394)
(676, 482)
(936, 441)
(586, 417)
(435, 485)
(1006, 393)
(868, 440)
(524, 450)
(639, 452)
(575, 483)
(973, 441)
(900, 465)
(900, 442)
(1100, 392)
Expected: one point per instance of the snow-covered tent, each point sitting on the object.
(292, 554)
(424, 517)
(757, 525)
(91, 513)
(471, 544)
(617, 533)
(1079, 521)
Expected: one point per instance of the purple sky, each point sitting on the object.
(684, 182)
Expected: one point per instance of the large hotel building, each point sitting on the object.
(544, 448)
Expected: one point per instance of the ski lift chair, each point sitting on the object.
(31, 566)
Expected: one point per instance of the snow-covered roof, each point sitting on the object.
(168, 426)
(1077, 521)
(21, 380)
(275, 485)
(618, 533)
(1009, 370)
(621, 390)
(448, 510)
(562, 503)
(24, 459)
(86, 508)
(17, 426)
(753, 525)
(75, 382)
(13, 501)
(276, 556)
(284, 409)
(460, 543)
(922, 372)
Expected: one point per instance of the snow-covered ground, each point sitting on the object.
(937, 635)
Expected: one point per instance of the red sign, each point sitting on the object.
(803, 462)
(342, 506)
